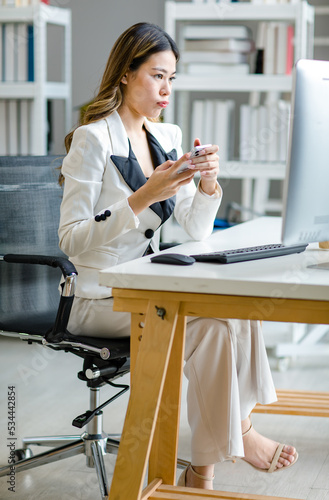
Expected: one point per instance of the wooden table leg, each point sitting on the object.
(163, 457)
(145, 400)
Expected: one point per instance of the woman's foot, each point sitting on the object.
(259, 450)
(199, 477)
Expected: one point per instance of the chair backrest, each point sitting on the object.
(30, 198)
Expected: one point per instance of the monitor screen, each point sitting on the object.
(306, 185)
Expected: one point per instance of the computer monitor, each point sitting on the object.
(306, 185)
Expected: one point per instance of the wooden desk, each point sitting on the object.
(159, 298)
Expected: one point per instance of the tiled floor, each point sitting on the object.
(49, 396)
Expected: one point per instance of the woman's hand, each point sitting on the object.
(208, 165)
(164, 183)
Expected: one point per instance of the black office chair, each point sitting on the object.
(33, 309)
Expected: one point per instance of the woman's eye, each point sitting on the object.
(159, 76)
(172, 78)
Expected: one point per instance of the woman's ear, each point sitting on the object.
(124, 79)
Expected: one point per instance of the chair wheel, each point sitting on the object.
(21, 454)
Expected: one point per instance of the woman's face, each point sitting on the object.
(147, 90)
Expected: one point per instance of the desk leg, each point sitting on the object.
(145, 400)
(163, 457)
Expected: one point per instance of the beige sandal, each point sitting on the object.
(273, 467)
(182, 477)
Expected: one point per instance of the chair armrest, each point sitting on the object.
(59, 329)
(65, 265)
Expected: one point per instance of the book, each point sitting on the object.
(244, 46)
(1, 52)
(24, 127)
(211, 32)
(22, 52)
(262, 133)
(260, 47)
(281, 42)
(3, 128)
(12, 114)
(197, 120)
(213, 57)
(208, 122)
(290, 50)
(284, 108)
(9, 52)
(30, 49)
(269, 51)
(217, 69)
(245, 151)
(224, 128)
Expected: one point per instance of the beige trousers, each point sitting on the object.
(225, 363)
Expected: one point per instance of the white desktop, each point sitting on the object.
(306, 187)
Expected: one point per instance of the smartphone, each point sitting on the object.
(194, 152)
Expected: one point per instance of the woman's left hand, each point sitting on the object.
(208, 166)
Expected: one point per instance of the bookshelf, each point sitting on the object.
(39, 91)
(254, 175)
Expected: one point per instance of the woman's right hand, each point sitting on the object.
(164, 183)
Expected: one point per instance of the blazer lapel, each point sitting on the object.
(133, 175)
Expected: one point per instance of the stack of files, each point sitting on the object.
(16, 52)
(15, 120)
(264, 131)
(276, 41)
(213, 123)
(216, 49)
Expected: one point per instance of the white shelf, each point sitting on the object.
(252, 170)
(42, 13)
(232, 12)
(236, 169)
(212, 12)
(235, 83)
(57, 90)
(30, 90)
(40, 90)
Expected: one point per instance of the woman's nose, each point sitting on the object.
(166, 89)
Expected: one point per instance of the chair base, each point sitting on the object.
(94, 444)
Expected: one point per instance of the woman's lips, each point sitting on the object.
(163, 104)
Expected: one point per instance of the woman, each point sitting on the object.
(121, 183)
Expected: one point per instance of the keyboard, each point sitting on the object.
(249, 253)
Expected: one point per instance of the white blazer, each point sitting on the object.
(97, 227)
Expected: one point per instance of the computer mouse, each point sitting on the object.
(175, 259)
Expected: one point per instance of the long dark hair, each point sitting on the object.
(130, 51)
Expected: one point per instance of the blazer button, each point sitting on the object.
(149, 233)
(98, 218)
(107, 213)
